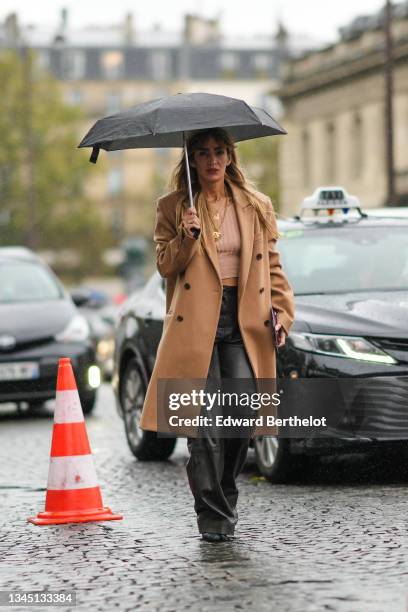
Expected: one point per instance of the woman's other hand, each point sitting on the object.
(190, 220)
(282, 335)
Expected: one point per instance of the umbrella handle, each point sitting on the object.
(195, 231)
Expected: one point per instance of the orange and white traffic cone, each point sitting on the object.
(73, 494)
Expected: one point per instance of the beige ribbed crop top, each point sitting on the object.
(229, 245)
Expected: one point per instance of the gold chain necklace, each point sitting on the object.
(217, 234)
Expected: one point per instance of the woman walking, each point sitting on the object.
(220, 286)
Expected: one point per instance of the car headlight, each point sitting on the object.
(340, 346)
(77, 330)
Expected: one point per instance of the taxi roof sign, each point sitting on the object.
(329, 199)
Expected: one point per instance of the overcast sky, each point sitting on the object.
(318, 18)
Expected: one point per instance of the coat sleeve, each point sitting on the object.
(174, 249)
(282, 297)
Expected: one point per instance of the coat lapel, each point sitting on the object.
(245, 216)
(211, 250)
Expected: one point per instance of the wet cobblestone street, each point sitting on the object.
(328, 544)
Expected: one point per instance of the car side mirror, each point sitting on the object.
(80, 297)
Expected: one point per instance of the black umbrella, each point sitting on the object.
(166, 122)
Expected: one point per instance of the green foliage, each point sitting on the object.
(260, 159)
(42, 173)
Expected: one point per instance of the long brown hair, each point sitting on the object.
(234, 175)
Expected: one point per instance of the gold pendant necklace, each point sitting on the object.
(217, 234)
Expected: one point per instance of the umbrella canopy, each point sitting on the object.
(164, 122)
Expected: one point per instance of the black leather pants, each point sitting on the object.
(214, 461)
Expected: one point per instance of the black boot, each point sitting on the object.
(214, 537)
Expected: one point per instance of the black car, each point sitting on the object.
(39, 323)
(138, 335)
(350, 278)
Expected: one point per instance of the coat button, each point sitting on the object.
(267, 322)
(187, 285)
(259, 256)
(179, 318)
(262, 289)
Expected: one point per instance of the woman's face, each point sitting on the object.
(210, 161)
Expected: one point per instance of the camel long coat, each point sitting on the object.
(194, 293)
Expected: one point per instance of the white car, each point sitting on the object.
(388, 211)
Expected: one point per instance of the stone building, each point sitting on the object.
(334, 112)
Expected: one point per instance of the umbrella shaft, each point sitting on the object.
(190, 193)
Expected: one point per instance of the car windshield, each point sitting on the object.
(345, 259)
(27, 282)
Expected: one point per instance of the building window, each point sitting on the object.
(229, 62)
(160, 66)
(74, 64)
(112, 63)
(306, 157)
(261, 62)
(357, 147)
(43, 59)
(330, 152)
(115, 181)
(74, 97)
(113, 102)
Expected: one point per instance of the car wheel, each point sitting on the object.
(88, 402)
(275, 461)
(145, 445)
